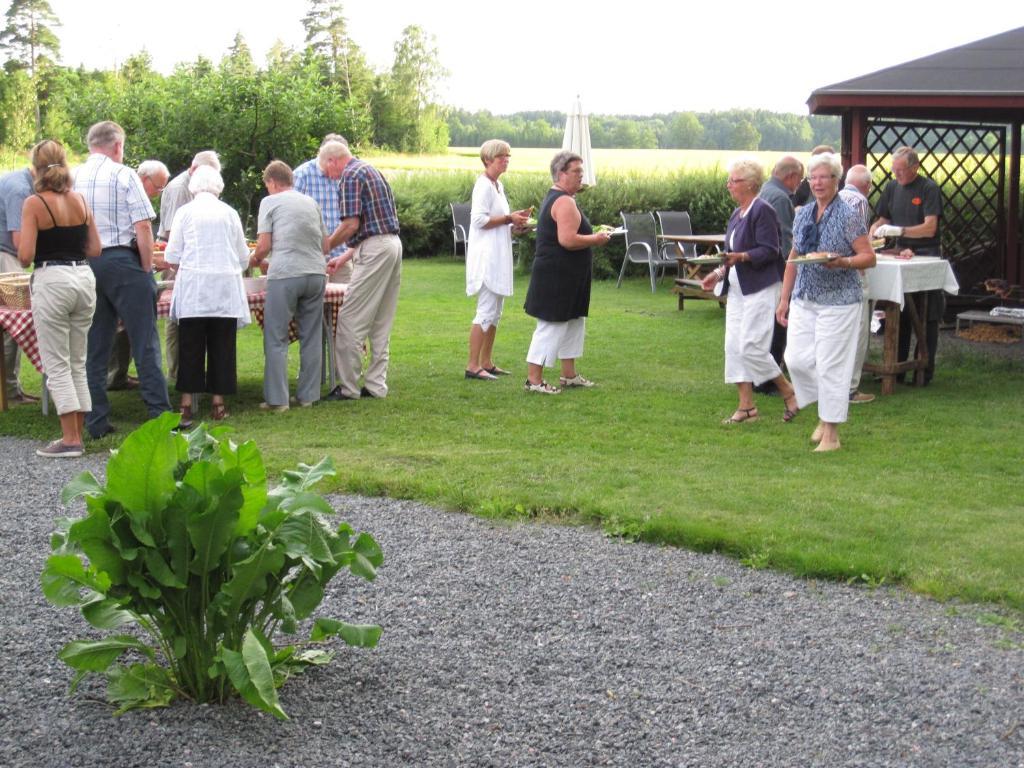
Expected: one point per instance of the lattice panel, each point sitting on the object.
(969, 163)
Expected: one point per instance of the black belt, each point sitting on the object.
(62, 263)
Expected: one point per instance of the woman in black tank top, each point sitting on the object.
(58, 234)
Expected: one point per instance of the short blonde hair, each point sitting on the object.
(493, 148)
(748, 169)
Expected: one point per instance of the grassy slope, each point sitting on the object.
(926, 489)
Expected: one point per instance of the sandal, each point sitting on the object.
(186, 417)
(790, 413)
(749, 414)
(482, 375)
(543, 388)
(218, 412)
(496, 371)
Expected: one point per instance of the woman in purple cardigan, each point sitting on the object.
(752, 275)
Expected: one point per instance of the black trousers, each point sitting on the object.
(206, 355)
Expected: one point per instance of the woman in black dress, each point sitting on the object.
(559, 292)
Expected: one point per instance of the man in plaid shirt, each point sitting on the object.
(311, 181)
(369, 225)
(125, 287)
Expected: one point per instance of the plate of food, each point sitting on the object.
(814, 258)
(704, 260)
(605, 228)
(878, 242)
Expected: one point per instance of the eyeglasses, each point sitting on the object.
(574, 171)
(820, 179)
(735, 181)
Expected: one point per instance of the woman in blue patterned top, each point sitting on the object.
(826, 300)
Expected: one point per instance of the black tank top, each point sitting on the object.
(61, 243)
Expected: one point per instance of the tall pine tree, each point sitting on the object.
(29, 42)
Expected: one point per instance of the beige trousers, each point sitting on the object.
(368, 312)
(63, 302)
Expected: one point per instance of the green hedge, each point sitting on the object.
(422, 199)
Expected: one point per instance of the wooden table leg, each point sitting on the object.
(890, 347)
(917, 305)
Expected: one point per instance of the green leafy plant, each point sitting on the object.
(186, 542)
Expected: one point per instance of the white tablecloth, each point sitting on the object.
(891, 278)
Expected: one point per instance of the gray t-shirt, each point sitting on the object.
(14, 188)
(297, 231)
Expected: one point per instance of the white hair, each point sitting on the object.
(206, 179)
(858, 175)
(827, 159)
(207, 158)
(152, 168)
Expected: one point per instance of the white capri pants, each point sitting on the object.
(820, 349)
(63, 302)
(749, 323)
(556, 341)
(488, 308)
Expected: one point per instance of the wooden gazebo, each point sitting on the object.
(962, 110)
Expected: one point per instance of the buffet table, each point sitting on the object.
(898, 283)
(17, 323)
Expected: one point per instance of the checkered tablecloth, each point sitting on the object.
(334, 296)
(17, 323)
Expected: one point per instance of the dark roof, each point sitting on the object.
(985, 74)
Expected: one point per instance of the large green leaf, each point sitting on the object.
(295, 481)
(359, 635)
(257, 662)
(64, 577)
(210, 531)
(140, 686)
(368, 556)
(141, 474)
(160, 571)
(249, 579)
(83, 485)
(246, 457)
(305, 595)
(97, 655)
(238, 672)
(107, 614)
(303, 535)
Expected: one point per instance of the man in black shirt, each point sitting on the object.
(909, 210)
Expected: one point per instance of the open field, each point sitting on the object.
(606, 160)
(925, 492)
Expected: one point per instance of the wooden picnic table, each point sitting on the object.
(688, 282)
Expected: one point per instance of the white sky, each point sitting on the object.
(632, 57)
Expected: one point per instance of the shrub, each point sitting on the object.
(186, 542)
(422, 199)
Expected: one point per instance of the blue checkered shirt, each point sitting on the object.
(312, 182)
(366, 194)
(116, 196)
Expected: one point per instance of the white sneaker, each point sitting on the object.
(575, 381)
(543, 388)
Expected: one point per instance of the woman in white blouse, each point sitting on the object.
(208, 248)
(489, 257)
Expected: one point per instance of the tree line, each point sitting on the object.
(742, 129)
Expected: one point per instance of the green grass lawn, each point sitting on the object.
(926, 491)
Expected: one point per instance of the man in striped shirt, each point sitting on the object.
(311, 181)
(125, 287)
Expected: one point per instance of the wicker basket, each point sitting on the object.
(14, 291)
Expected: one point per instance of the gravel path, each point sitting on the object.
(523, 645)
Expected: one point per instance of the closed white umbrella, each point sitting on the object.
(577, 139)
